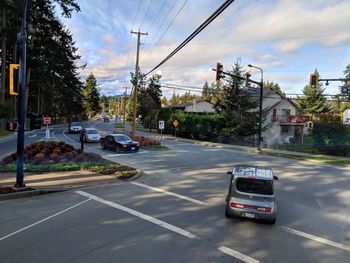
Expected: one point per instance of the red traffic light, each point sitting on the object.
(219, 71)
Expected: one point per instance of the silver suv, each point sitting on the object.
(251, 193)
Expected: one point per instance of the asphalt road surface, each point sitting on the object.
(175, 213)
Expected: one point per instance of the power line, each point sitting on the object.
(156, 16)
(166, 30)
(195, 33)
(161, 24)
(150, 2)
(137, 13)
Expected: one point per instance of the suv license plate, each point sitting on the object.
(132, 148)
(249, 215)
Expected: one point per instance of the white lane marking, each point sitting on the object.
(238, 255)
(140, 215)
(168, 193)
(316, 238)
(43, 220)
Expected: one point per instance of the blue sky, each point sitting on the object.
(288, 39)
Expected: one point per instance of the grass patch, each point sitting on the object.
(119, 126)
(4, 132)
(311, 158)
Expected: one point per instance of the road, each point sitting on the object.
(175, 213)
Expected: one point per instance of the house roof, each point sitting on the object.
(184, 105)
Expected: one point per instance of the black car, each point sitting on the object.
(105, 119)
(119, 143)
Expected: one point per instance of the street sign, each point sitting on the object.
(47, 120)
(175, 123)
(345, 90)
(161, 125)
(252, 90)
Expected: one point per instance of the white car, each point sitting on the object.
(91, 135)
(74, 127)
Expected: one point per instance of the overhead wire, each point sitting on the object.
(195, 33)
(161, 24)
(166, 30)
(149, 5)
(156, 16)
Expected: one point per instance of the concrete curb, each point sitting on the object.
(60, 188)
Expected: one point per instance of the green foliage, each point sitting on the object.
(53, 78)
(236, 107)
(7, 110)
(314, 103)
(274, 86)
(91, 96)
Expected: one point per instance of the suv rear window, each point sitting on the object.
(255, 186)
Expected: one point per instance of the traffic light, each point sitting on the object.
(313, 82)
(247, 76)
(219, 71)
(13, 83)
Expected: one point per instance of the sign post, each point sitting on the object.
(47, 121)
(161, 128)
(175, 123)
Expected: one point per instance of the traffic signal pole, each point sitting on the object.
(21, 97)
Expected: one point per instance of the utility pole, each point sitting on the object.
(124, 113)
(3, 54)
(136, 81)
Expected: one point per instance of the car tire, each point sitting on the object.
(272, 222)
(103, 146)
(227, 213)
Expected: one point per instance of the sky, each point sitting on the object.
(288, 39)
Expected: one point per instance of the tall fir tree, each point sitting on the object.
(236, 107)
(91, 96)
(314, 103)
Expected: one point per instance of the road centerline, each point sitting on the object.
(237, 255)
(168, 193)
(316, 238)
(43, 220)
(139, 215)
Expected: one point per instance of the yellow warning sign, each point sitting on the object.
(175, 123)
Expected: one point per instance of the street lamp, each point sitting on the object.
(260, 104)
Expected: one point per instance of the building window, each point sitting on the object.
(286, 112)
(285, 129)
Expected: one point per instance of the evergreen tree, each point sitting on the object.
(187, 97)
(206, 93)
(91, 96)
(164, 101)
(314, 103)
(175, 99)
(236, 108)
(274, 86)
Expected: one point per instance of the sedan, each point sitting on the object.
(119, 143)
(74, 127)
(91, 135)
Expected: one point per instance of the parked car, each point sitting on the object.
(119, 143)
(74, 127)
(91, 135)
(251, 193)
(105, 119)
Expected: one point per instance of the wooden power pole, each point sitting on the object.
(136, 81)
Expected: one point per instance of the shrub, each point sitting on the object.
(68, 156)
(56, 151)
(80, 157)
(55, 157)
(39, 158)
(7, 159)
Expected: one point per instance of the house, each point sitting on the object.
(346, 116)
(201, 106)
(283, 120)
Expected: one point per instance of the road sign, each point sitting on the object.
(175, 123)
(47, 120)
(345, 90)
(252, 90)
(161, 125)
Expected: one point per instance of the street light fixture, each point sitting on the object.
(260, 104)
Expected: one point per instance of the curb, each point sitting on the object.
(62, 188)
(28, 193)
